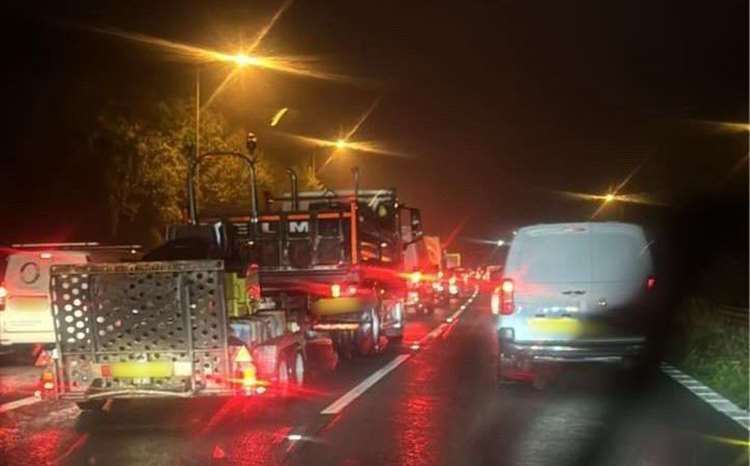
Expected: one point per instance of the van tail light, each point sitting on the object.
(650, 282)
(507, 304)
(3, 296)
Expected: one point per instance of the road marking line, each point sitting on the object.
(346, 399)
(11, 405)
(354, 393)
(710, 396)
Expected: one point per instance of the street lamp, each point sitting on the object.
(239, 60)
(341, 144)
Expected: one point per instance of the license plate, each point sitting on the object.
(142, 370)
(563, 326)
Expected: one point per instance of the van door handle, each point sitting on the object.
(574, 292)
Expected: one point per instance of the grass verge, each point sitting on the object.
(712, 349)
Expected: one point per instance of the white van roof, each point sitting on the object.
(29, 270)
(579, 252)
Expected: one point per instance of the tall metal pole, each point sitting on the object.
(197, 110)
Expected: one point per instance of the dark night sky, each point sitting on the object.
(496, 102)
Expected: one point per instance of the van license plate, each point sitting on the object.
(562, 326)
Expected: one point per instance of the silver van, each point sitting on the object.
(25, 314)
(573, 292)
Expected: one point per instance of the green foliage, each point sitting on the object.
(145, 164)
(713, 350)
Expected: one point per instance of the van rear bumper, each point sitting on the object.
(615, 351)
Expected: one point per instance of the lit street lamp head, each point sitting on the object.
(341, 144)
(609, 197)
(242, 60)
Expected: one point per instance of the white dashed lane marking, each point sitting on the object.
(710, 396)
(346, 399)
(10, 406)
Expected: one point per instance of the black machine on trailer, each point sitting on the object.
(184, 322)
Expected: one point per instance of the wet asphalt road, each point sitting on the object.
(442, 406)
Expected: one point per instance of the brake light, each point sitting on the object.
(3, 296)
(651, 283)
(253, 292)
(507, 305)
(46, 255)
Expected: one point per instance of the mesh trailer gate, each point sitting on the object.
(140, 329)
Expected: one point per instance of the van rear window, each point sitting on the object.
(552, 258)
(618, 257)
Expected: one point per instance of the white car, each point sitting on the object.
(573, 292)
(25, 314)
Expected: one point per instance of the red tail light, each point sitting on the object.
(507, 304)
(3, 295)
(650, 282)
(253, 292)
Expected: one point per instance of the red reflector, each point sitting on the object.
(651, 282)
(106, 370)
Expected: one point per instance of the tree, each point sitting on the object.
(145, 166)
